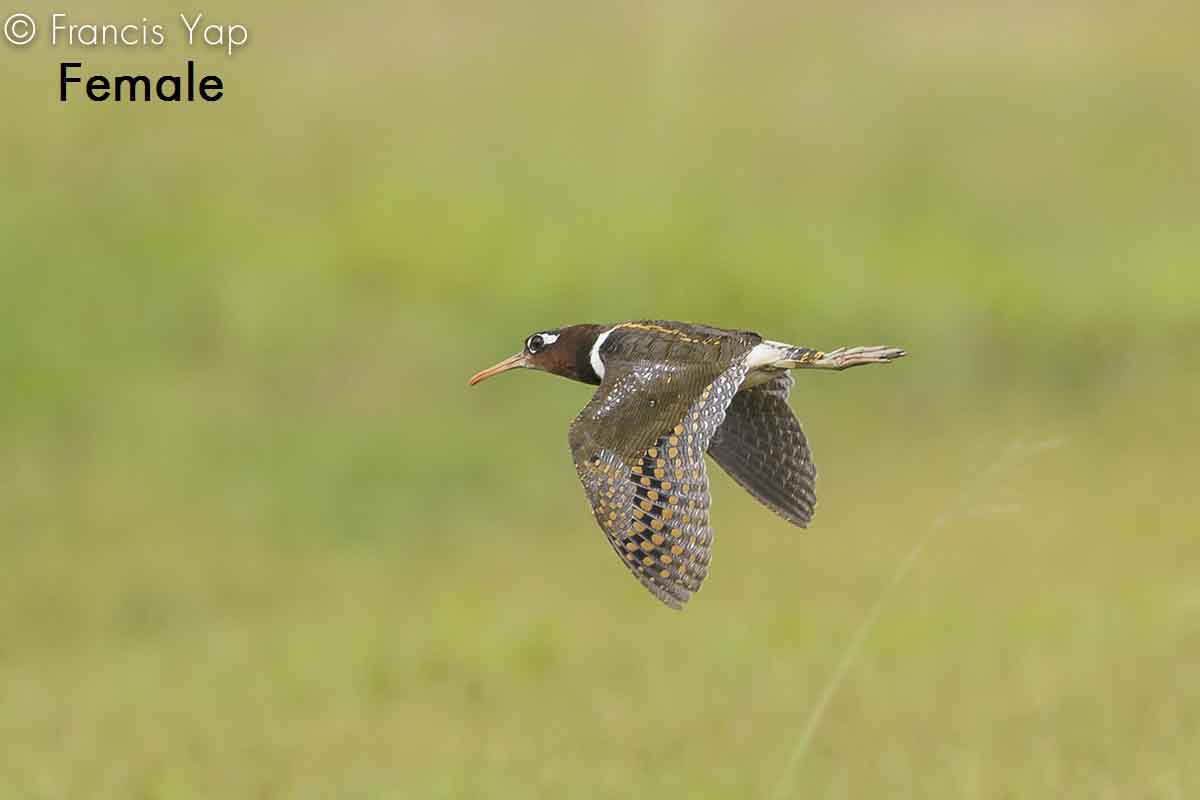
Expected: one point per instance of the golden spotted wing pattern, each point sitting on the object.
(653, 507)
(762, 447)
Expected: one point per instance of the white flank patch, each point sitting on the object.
(766, 354)
(597, 364)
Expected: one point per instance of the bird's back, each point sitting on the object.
(669, 342)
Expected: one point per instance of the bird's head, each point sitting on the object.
(561, 351)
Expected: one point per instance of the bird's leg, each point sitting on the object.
(846, 357)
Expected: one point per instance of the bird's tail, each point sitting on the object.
(839, 359)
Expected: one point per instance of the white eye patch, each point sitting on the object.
(539, 342)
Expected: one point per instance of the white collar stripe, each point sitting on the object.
(597, 362)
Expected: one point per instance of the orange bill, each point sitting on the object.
(504, 366)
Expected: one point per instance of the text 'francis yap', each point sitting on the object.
(193, 30)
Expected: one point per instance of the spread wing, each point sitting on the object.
(639, 451)
(762, 447)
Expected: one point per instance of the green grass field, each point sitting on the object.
(260, 540)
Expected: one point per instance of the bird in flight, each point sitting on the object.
(669, 392)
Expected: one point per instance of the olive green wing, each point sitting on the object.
(653, 372)
(762, 447)
(646, 482)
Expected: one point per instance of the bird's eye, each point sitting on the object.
(535, 343)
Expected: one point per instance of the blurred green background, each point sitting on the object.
(260, 540)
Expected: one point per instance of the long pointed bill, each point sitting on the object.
(504, 366)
